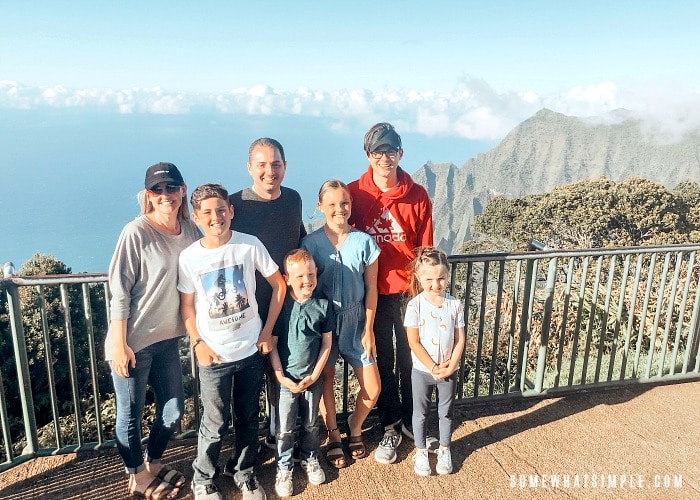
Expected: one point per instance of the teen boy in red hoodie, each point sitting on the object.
(397, 212)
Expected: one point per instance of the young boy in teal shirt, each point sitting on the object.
(300, 349)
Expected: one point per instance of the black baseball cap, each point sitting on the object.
(163, 172)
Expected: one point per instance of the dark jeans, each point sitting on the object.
(157, 365)
(393, 360)
(218, 383)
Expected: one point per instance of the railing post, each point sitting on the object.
(546, 319)
(524, 337)
(24, 384)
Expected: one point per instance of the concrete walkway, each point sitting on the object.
(638, 441)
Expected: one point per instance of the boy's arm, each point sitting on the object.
(323, 355)
(204, 353)
(279, 289)
(276, 364)
(371, 296)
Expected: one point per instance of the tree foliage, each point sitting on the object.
(40, 363)
(595, 213)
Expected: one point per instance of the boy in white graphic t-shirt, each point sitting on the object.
(218, 306)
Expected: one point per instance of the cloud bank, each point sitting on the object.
(472, 110)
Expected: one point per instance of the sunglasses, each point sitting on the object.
(169, 188)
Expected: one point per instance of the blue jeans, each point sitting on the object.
(158, 365)
(423, 384)
(394, 365)
(218, 383)
(305, 405)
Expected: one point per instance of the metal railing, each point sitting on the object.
(538, 323)
(554, 320)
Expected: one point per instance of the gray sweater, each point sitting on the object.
(143, 283)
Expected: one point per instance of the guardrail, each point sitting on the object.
(538, 323)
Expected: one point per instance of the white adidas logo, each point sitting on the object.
(386, 228)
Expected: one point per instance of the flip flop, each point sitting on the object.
(156, 490)
(171, 476)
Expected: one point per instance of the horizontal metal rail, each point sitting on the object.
(538, 323)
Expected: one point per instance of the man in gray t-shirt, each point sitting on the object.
(273, 214)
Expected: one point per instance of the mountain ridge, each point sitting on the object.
(547, 150)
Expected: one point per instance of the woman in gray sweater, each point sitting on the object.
(142, 343)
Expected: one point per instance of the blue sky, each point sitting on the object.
(93, 92)
(441, 68)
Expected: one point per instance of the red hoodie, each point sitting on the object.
(400, 220)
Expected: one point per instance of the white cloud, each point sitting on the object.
(473, 110)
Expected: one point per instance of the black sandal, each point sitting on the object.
(357, 447)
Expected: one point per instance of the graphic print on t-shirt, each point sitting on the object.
(386, 228)
(227, 297)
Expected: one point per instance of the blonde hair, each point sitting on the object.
(425, 256)
(330, 185)
(147, 207)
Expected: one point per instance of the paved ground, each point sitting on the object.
(632, 442)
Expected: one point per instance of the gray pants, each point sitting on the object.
(423, 384)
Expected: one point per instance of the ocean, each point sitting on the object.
(69, 178)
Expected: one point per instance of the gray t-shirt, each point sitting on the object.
(143, 282)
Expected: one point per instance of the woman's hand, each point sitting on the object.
(122, 359)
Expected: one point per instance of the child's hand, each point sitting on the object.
(264, 343)
(306, 382)
(205, 355)
(369, 344)
(290, 384)
(443, 371)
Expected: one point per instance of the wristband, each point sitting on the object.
(196, 342)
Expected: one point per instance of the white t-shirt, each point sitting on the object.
(436, 327)
(223, 281)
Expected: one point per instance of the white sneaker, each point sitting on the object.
(313, 470)
(444, 461)
(251, 489)
(205, 491)
(284, 486)
(422, 466)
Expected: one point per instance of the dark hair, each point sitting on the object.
(384, 131)
(266, 141)
(206, 191)
(332, 184)
(425, 256)
(297, 256)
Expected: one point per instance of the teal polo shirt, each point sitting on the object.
(299, 329)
